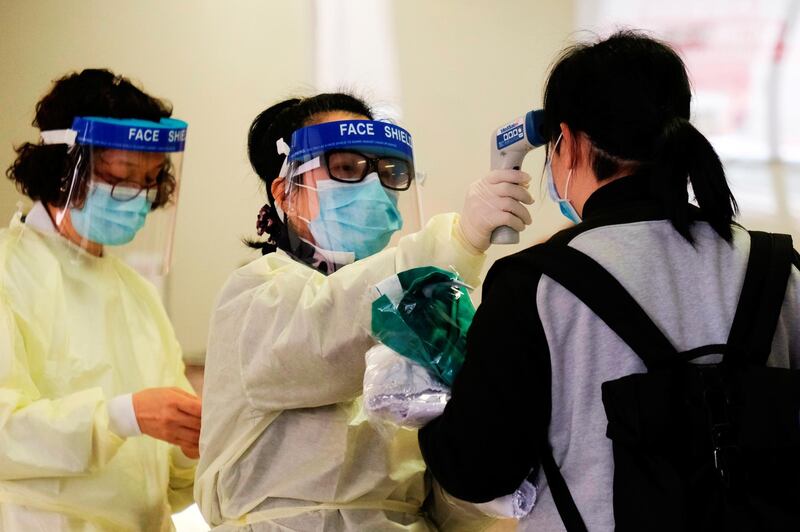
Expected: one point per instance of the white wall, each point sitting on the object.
(464, 67)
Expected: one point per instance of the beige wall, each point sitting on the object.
(465, 66)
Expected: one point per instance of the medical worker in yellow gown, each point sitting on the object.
(284, 444)
(98, 424)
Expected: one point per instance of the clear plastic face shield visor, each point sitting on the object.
(347, 191)
(121, 189)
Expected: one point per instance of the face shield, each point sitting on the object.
(347, 191)
(122, 187)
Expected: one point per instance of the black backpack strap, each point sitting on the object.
(562, 498)
(763, 291)
(606, 297)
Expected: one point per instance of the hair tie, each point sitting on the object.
(269, 223)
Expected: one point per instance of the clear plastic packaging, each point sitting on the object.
(400, 391)
(517, 505)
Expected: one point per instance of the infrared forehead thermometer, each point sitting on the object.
(509, 146)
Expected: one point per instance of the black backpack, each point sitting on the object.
(700, 447)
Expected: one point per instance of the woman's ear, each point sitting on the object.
(568, 146)
(278, 188)
(575, 146)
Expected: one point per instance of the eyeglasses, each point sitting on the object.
(128, 190)
(352, 166)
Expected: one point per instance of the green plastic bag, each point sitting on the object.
(424, 314)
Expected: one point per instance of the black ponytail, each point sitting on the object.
(683, 153)
(279, 122)
(630, 95)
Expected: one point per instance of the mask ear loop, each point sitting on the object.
(569, 174)
(566, 186)
(302, 169)
(548, 164)
(78, 154)
(553, 150)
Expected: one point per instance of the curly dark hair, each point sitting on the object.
(41, 171)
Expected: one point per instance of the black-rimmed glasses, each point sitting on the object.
(351, 167)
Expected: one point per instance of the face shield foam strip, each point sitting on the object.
(370, 136)
(59, 136)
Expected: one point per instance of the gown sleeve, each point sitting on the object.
(46, 437)
(299, 337)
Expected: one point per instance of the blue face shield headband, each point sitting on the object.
(168, 135)
(368, 162)
(352, 149)
(371, 136)
(117, 198)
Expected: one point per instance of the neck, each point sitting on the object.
(579, 194)
(66, 230)
(582, 184)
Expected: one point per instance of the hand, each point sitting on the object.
(492, 202)
(171, 415)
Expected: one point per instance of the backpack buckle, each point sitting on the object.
(718, 408)
(725, 452)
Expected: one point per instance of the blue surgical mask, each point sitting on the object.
(109, 221)
(356, 217)
(563, 204)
